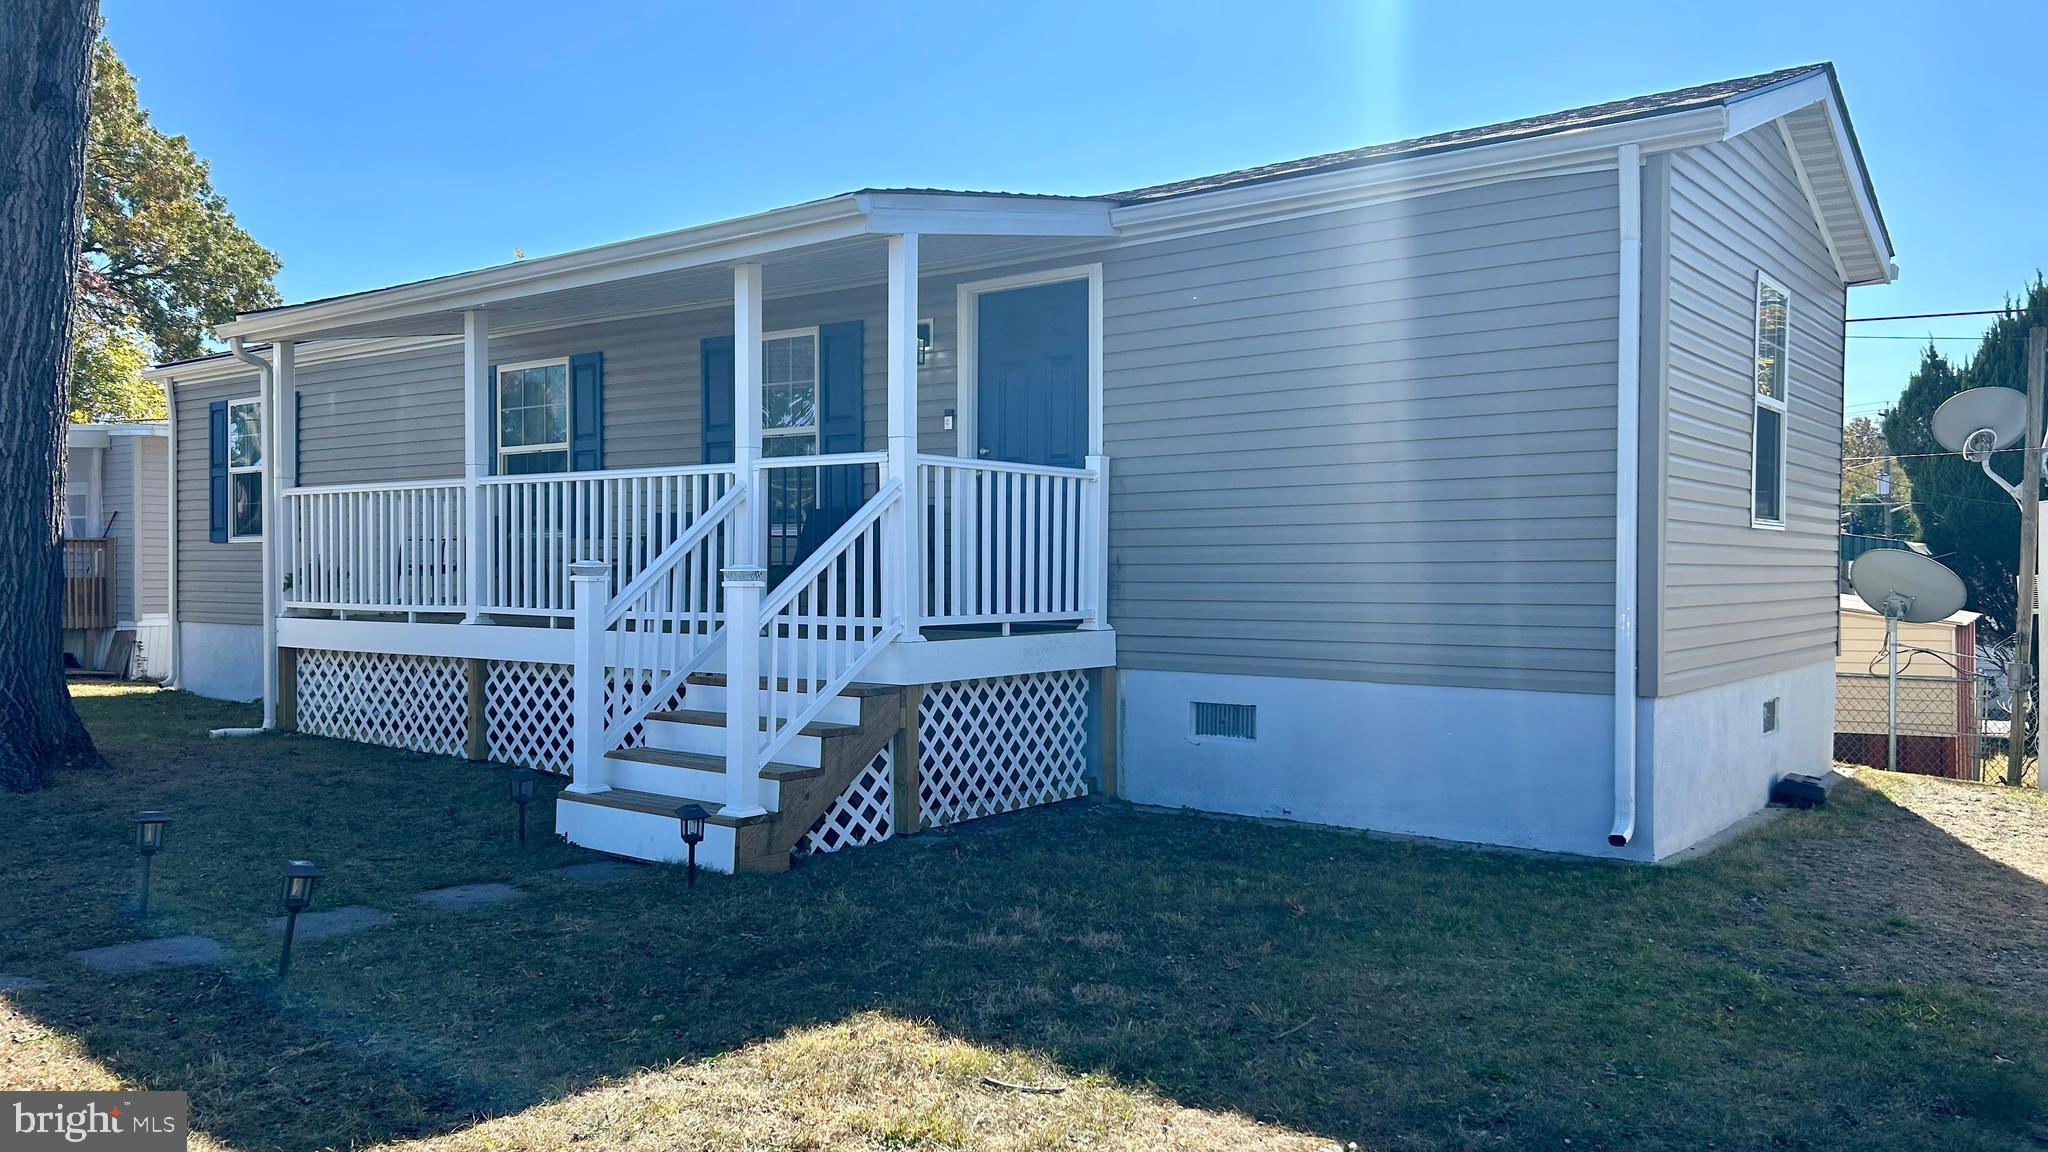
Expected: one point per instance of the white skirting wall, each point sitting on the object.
(1516, 768)
(1714, 763)
(152, 648)
(223, 661)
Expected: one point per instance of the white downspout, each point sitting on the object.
(1627, 459)
(264, 377)
(171, 530)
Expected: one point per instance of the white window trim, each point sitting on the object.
(966, 320)
(1782, 406)
(261, 467)
(568, 412)
(816, 430)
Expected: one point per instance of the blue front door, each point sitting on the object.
(1031, 390)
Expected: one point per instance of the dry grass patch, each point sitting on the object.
(872, 1082)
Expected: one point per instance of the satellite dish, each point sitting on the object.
(1962, 422)
(1906, 585)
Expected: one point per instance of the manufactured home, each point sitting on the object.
(117, 550)
(1479, 486)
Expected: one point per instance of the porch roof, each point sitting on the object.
(810, 247)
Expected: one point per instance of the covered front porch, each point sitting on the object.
(806, 526)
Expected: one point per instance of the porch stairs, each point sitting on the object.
(681, 761)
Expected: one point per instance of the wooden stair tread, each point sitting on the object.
(703, 762)
(717, 680)
(713, 719)
(657, 804)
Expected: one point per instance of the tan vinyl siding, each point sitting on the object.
(152, 523)
(217, 583)
(381, 416)
(1376, 444)
(1739, 601)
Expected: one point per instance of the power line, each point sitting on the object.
(1931, 315)
(1852, 336)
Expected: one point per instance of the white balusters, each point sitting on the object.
(1008, 543)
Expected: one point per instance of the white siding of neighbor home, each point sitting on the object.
(217, 583)
(117, 500)
(1734, 601)
(152, 526)
(1376, 444)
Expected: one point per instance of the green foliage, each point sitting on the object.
(106, 378)
(1863, 456)
(163, 260)
(1966, 520)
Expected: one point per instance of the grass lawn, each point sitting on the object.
(1873, 975)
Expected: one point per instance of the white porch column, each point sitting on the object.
(746, 405)
(283, 455)
(902, 553)
(476, 454)
(743, 577)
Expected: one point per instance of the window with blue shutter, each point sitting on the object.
(217, 472)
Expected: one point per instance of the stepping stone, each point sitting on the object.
(21, 983)
(164, 952)
(463, 897)
(595, 872)
(335, 922)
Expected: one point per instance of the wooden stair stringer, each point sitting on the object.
(844, 756)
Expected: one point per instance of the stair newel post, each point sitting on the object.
(743, 587)
(590, 581)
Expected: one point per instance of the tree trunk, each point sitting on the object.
(44, 49)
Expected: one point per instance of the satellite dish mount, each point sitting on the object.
(1903, 586)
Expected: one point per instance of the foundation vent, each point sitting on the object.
(1771, 714)
(1225, 721)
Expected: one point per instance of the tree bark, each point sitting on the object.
(45, 48)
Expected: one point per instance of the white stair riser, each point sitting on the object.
(640, 835)
(670, 780)
(709, 739)
(712, 698)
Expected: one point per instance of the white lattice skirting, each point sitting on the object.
(988, 746)
(528, 715)
(416, 702)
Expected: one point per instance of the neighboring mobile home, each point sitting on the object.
(1347, 489)
(117, 550)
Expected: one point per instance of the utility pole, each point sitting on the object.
(2030, 529)
(1884, 491)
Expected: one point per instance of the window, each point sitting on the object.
(1767, 463)
(789, 393)
(245, 470)
(533, 418)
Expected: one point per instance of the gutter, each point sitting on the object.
(1627, 487)
(265, 380)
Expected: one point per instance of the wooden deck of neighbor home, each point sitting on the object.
(89, 584)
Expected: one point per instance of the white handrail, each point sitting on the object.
(823, 624)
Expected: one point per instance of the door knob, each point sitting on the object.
(984, 453)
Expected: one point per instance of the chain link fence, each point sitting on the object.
(1949, 723)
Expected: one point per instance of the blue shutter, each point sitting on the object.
(217, 471)
(586, 412)
(298, 429)
(491, 416)
(842, 403)
(716, 378)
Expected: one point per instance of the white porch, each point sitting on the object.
(638, 581)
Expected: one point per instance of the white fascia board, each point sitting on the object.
(1414, 176)
(319, 352)
(1748, 113)
(133, 430)
(749, 236)
(960, 214)
(85, 436)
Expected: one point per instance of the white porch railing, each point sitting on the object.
(1009, 543)
(376, 547)
(536, 526)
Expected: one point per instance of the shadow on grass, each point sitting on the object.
(1396, 994)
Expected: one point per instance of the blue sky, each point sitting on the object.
(374, 143)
